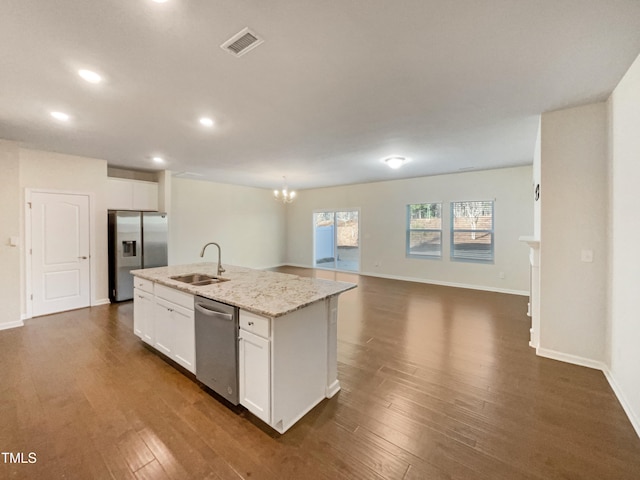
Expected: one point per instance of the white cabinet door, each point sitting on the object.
(174, 333)
(124, 194)
(255, 375)
(143, 315)
(164, 326)
(184, 339)
(119, 194)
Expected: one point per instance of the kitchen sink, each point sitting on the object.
(198, 279)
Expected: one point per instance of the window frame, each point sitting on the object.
(333, 212)
(409, 230)
(454, 230)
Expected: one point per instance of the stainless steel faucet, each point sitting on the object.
(220, 269)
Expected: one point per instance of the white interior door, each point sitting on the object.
(60, 264)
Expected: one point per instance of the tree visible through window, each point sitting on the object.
(337, 240)
(472, 231)
(424, 230)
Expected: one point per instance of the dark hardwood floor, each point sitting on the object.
(437, 383)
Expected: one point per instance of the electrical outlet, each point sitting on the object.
(586, 256)
(501, 275)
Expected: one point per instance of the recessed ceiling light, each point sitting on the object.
(89, 76)
(395, 162)
(158, 159)
(60, 116)
(206, 121)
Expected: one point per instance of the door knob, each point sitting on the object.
(82, 258)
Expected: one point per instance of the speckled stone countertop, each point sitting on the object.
(271, 294)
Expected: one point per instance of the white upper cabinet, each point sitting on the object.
(124, 194)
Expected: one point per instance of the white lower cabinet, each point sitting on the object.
(174, 333)
(287, 364)
(283, 365)
(143, 315)
(255, 375)
(165, 320)
(164, 326)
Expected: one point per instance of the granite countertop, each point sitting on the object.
(271, 294)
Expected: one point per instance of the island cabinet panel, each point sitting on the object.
(283, 364)
(143, 315)
(255, 375)
(298, 363)
(333, 385)
(287, 343)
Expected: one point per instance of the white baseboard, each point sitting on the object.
(299, 265)
(586, 362)
(276, 266)
(332, 389)
(100, 301)
(8, 325)
(423, 280)
(568, 358)
(447, 284)
(626, 406)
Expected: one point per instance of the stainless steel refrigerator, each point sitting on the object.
(136, 240)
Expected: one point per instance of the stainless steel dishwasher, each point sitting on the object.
(217, 347)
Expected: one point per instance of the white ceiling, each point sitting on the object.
(336, 86)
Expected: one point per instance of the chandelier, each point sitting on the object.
(284, 195)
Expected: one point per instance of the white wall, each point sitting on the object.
(69, 173)
(624, 319)
(10, 286)
(537, 174)
(383, 226)
(574, 208)
(247, 223)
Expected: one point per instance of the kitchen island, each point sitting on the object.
(287, 332)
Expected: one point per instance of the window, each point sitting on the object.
(424, 230)
(472, 231)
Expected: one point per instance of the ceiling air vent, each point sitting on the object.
(242, 42)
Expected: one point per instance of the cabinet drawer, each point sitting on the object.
(142, 284)
(175, 296)
(254, 323)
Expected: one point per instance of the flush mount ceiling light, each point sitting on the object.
(63, 117)
(284, 195)
(206, 122)
(395, 162)
(158, 159)
(89, 76)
